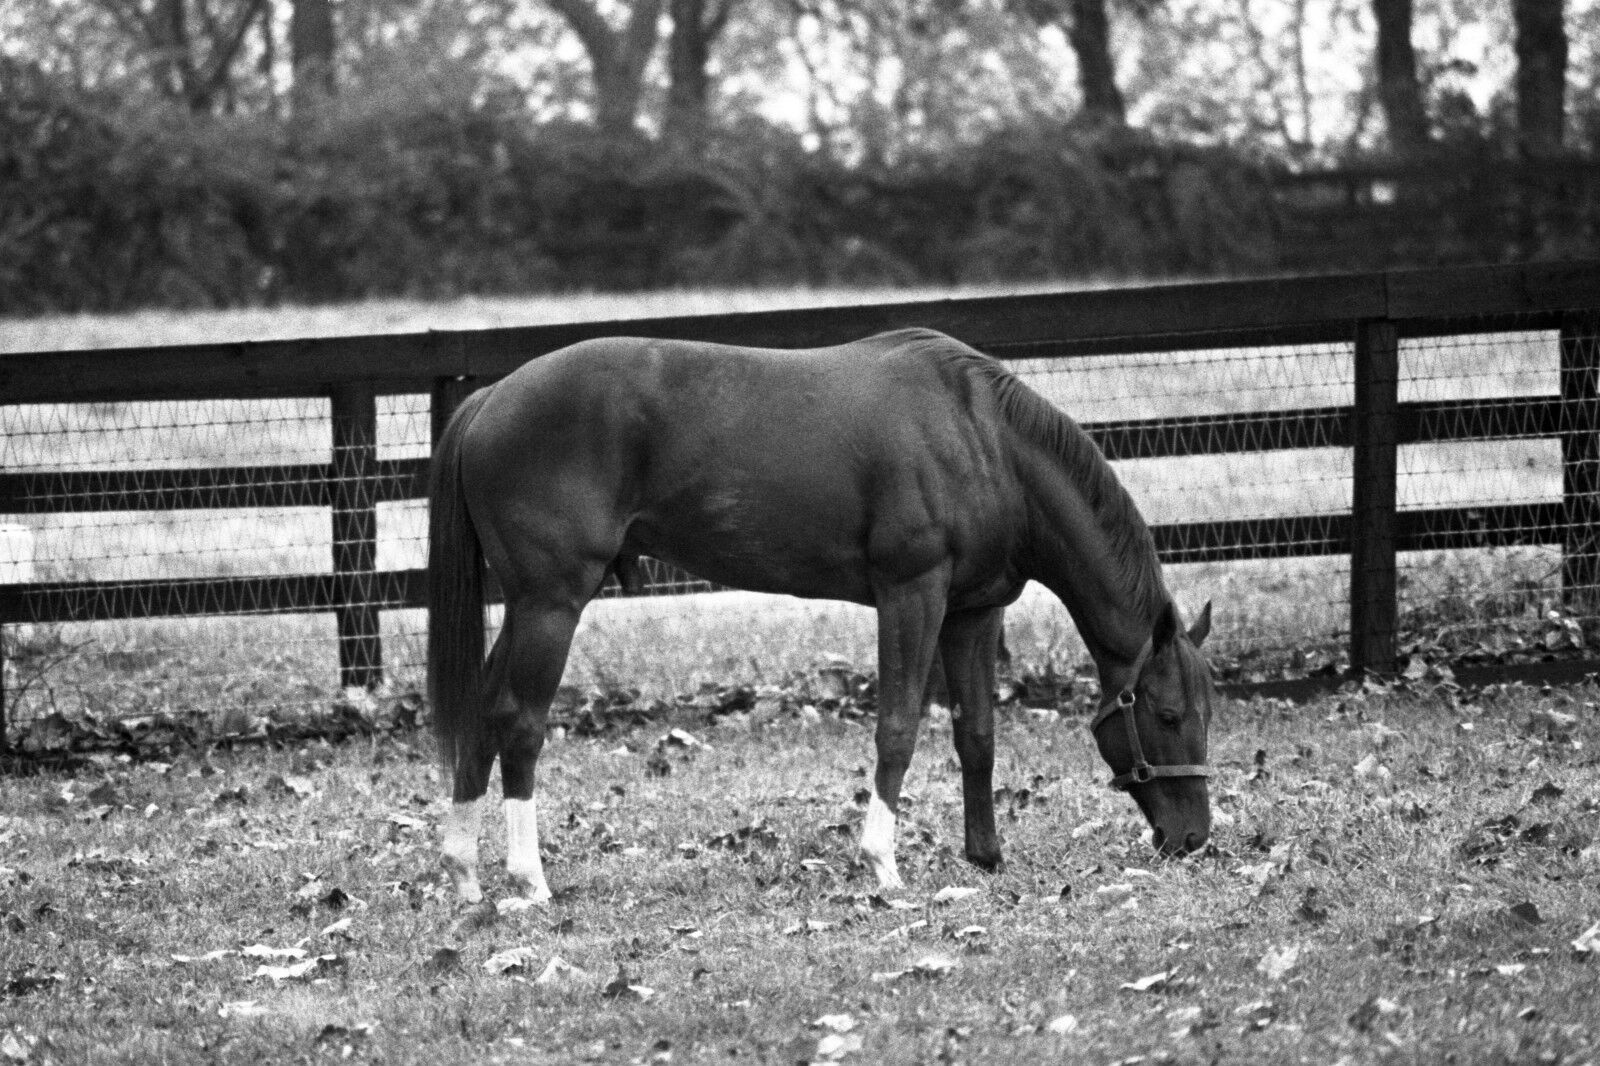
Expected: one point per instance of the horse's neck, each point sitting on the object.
(1070, 553)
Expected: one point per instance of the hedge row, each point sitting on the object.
(107, 206)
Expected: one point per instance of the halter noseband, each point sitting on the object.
(1123, 701)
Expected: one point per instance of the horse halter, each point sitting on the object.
(1123, 701)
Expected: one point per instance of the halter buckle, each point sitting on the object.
(1141, 774)
(1126, 699)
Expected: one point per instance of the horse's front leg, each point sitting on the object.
(968, 644)
(909, 616)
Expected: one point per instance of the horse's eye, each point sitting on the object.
(1170, 716)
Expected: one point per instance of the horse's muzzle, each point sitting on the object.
(1174, 847)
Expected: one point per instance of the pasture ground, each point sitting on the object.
(1396, 876)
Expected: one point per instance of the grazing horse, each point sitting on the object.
(906, 471)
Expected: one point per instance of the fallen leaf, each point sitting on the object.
(339, 928)
(1370, 1011)
(1588, 942)
(1526, 911)
(1154, 982)
(1278, 961)
(14, 1048)
(1113, 895)
(877, 902)
(838, 1023)
(952, 893)
(511, 959)
(295, 971)
(441, 962)
(622, 987)
(933, 965)
(1310, 910)
(210, 956)
(905, 930)
(683, 739)
(337, 899)
(261, 951)
(241, 1008)
(1066, 1023)
(835, 1046)
(514, 905)
(349, 1034)
(1547, 792)
(556, 970)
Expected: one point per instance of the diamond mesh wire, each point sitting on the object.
(1239, 458)
(1268, 610)
(1497, 579)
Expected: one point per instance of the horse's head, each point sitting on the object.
(1153, 734)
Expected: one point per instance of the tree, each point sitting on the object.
(311, 48)
(696, 25)
(1088, 31)
(618, 57)
(1399, 90)
(1541, 77)
(192, 46)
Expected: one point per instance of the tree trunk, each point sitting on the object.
(169, 34)
(1399, 91)
(1541, 76)
(617, 57)
(696, 25)
(1089, 34)
(688, 83)
(311, 48)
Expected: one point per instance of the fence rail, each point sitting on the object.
(1374, 312)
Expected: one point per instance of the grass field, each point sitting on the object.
(1395, 877)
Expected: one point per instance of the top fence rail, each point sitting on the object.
(1191, 316)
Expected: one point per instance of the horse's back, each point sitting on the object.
(781, 470)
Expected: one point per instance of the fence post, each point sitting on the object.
(447, 396)
(1372, 520)
(1580, 458)
(355, 535)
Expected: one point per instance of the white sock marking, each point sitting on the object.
(462, 825)
(522, 848)
(877, 843)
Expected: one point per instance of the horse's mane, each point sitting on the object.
(1036, 419)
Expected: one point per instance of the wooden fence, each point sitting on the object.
(1374, 311)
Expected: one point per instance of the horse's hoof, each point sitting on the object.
(535, 891)
(463, 878)
(989, 864)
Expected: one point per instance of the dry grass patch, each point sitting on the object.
(1395, 876)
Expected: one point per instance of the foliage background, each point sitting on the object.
(471, 148)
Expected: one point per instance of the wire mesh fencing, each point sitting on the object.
(245, 559)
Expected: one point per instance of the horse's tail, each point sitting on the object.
(455, 597)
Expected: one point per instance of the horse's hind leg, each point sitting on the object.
(909, 616)
(522, 685)
(474, 759)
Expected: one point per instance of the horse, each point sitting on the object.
(906, 471)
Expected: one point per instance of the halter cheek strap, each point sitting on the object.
(1123, 701)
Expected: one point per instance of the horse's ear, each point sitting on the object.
(1202, 626)
(1168, 625)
